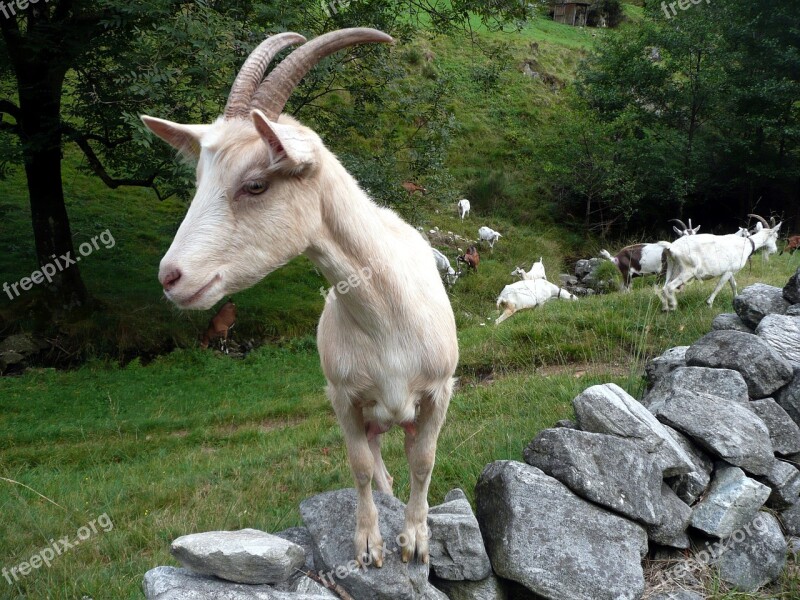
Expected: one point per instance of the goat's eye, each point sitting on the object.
(255, 187)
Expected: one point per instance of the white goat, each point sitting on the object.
(463, 208)
(707, 256)
(445, 268)
(487, 234)
(536, 272)
(268, 190)
(528, 294)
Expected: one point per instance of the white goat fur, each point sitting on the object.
(463, 208)
(445, 268)
(388, 345)
(536, 272)
(487, 234)
(528, 294)
(707, 256)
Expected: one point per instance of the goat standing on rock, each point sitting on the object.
(268, 190)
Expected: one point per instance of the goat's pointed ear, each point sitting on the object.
(184, 138)
(293, 151)
(777, 227)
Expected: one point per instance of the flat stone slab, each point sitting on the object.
(784, 433)
(244, 556)
(732, 501)
(614, 472)
(725, 429)
(725, 383)
(782, 333)
(660, 366)
(541, 535)
(730, 322)
(487, 589)
(763, 369)
(784, 481)
(757, 301)
(610, 409)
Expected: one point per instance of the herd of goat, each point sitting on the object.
(693, 256)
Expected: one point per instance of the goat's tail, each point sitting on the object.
(605, 254)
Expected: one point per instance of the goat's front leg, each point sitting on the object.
(368, 540)
(722, 281)
(420, 445)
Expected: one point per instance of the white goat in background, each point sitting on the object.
(268, 190)
(685, 229)
(487, 234)
(705, 256)
(445, 268)
(463, 208)
(528, 294)
(536, 272)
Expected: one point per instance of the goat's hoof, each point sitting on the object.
(369, 548)
(415, 542)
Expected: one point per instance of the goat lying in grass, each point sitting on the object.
(536, 272)
(528, 294)
(268, 190)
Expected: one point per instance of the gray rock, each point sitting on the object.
(661, 366)
(566, 424)
(730, 322)
(783, 431)
(567, 279)
(610, 409)
(755, 556)
(783, 334)
(678, 595)
(725, 383)
(793, 311)
(757, 301)
(306, 585)
(613, 472)
(789, 396)
(791, 519)
(302, 537)
(784, 481)
(330, 518)
(791, 291)
(245, 556)
(725, 429)
(557, 545)
(731, 502)
(490, 588)
(22, 344)
(690, 486)
(169, 583)
(456, 545)
(675, 518)
(764, 370)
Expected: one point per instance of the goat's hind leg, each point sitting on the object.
(722, 281)
(368, 540)
(420, 445)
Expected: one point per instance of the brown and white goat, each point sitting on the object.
(638, 260)
(471, 258)
(792, 244)
(268, 190)
(220, 324)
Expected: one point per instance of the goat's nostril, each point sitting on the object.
(169, 280)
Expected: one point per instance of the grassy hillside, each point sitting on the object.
(179, 441)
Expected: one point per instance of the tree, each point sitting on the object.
(83, 70)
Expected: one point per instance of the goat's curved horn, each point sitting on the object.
(679, 222)
(272, 94)
(762, 219)
(252, 72)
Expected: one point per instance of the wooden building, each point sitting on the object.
(570, 13)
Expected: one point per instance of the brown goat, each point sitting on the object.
(470, 257)
(220, 325)
(412, 187)
(792, 244)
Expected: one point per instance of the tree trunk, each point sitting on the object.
(40, 89)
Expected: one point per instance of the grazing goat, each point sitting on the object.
(268, 190)
(471, 258)
(463, 208)
(792, 244)
(220, 325)
(445, 268)
(412, 188)
(536, 272)
(487, 234)
(685, 229)
(638, 260)
(707, 256)
(528, 294)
